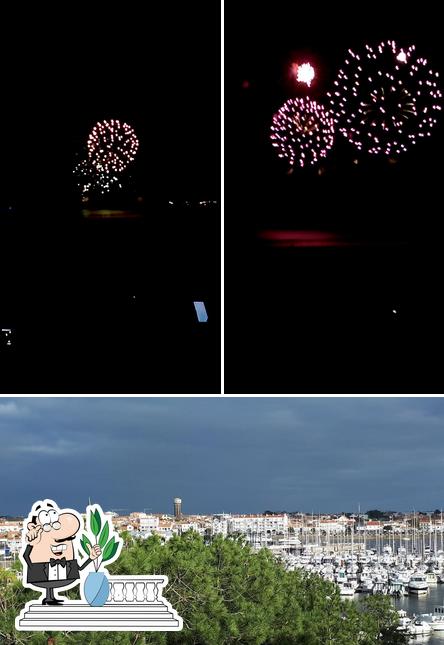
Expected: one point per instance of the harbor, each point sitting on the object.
(412, 574)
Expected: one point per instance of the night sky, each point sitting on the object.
(159, 72)
(107, 306)
(220, 454)
(321, 319)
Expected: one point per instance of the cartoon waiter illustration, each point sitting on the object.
(48, 558)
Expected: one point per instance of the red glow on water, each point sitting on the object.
(302, 238)
(286, 238)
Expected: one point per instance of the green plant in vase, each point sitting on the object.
(96, 585)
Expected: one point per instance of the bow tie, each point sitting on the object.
(53, 562)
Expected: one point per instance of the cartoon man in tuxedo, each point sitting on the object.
(48, 558)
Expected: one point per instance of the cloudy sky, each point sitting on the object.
(222, 454)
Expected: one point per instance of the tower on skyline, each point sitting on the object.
(177, 508)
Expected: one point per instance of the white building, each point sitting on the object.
(10, 527)
(372, 526)
(219, 524)
(330, 526)
(182, 527)
(149, 524)
(260, 524)
(15, 545)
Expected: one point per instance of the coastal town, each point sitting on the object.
(298, 537)
(397, 554)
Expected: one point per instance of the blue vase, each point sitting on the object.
(96, 589)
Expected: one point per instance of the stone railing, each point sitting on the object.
(135, 589)
(135, 603)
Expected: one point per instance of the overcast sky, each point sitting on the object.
(222, 454)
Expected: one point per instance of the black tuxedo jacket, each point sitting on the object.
(38, 571)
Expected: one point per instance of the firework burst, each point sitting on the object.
(385, 98)
(303, 73)
(112, 146)
(91, 180)
(302, 131)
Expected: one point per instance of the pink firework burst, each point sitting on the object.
(302, 131)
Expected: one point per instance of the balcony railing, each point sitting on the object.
(135, 603)
(130, 589)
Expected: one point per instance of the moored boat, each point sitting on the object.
(435, 620)
(418, 584)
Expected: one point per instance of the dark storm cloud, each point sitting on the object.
(238, 455)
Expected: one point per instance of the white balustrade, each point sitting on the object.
(130, 589)
(135, 603)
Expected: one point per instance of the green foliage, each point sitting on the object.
(379, 612)
(227, 594)
(375, 514)
(98, 525)
(84, 541)
(13, 596)
(95, 522)
(110, 550)
(104, 535)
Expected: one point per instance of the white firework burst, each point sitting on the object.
(385, 98)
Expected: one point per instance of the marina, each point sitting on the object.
(413, 577)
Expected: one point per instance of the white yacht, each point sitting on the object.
(431, 577)
(413, 627)
(419, 627)
(418, 584)
(341, 576)
(367, 585)
(366, 580)
(404, 621)
(435, 620)
(346, 589)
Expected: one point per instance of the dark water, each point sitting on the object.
(323, 320)
(415, 605)
(319, 316)
(107, 306)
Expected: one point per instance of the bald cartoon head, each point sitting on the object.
(52, 531)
